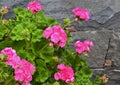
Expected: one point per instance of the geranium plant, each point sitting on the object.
(35, 49)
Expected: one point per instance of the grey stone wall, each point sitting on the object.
(103, 29)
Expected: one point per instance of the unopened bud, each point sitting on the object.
(104, 79)
(26, 32)
(4, 10)
(5, 22)
(55, 58)
(85, 54)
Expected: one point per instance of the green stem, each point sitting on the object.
(44, 46)
(69, 24)
(75, 60)
(27, 45)
(1, 16)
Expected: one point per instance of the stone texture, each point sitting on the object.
(114, 49)
(112, 83)
(98, 52)
(113, 75)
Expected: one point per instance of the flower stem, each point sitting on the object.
(1, 16)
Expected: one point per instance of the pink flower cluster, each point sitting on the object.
(56, 35)
(34, 6)
(22, 68)
(66, 73)
(83, 46)
(82, 14)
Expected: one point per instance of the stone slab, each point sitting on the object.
(114, 49)
(98, 52)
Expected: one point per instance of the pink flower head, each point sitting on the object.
(12, 58)
(82, 14)
(89, 43)
(66, 73)
(56, 35)
(24, 71)
(81, 47)
(48, 32)
(34, 6)
(8, 52)
(22, 68)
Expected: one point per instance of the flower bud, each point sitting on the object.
(104, 79)
(4, 10)
(5, 22)
(85, 54)
(26, 32)
(55, 58)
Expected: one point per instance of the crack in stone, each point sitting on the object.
(108, 48)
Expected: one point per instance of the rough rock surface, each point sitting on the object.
(103, 29)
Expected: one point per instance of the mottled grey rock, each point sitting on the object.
(113, 23)
(98, 52)
(103, 15)
(114, 49)
(112, 83)
(113, 75)
(90, 25)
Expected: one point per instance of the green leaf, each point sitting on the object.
(36, 35)
(3, 31)
(17, 32)
(44, 51)
(40, 15)
(51, 21)
(5, 43)
(42, 74)
(56, 83)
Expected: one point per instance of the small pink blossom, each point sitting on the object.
(8, 51)
(17, 84)
(81, 13)
(12, 58)
(48, 32)
(56, 35)
(66, 73)
(24, 83)
(61, 66)
(34, 6)
(81, 47)
(57, 76)
(51, 44)
(24, 71)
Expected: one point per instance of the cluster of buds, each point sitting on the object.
(5, 22)
(4, 10)
(104, 79)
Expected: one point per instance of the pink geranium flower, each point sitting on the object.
(24, 71)
(56, 35)
(34, 6)
(12, 58)
(81, 47)
(66, 73)
(82, 14)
